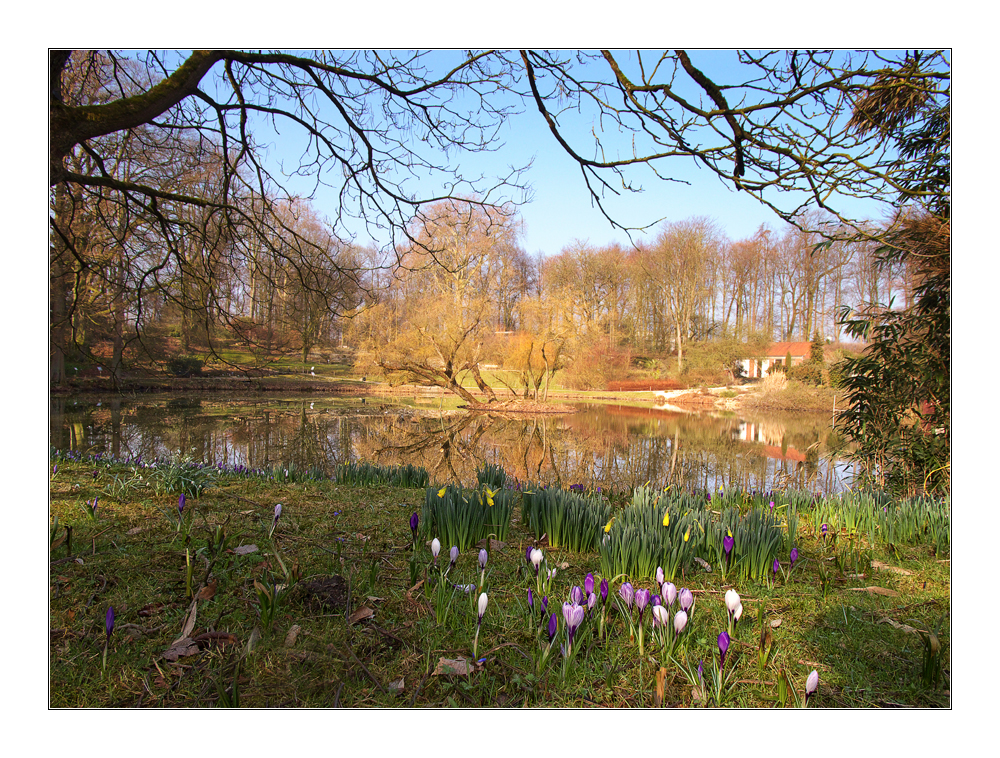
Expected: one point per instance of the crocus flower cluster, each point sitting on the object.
(668, 631)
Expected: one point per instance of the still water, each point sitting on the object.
(611, 446)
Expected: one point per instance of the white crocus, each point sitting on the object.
(732, 600)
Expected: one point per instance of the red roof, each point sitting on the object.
(781, 349)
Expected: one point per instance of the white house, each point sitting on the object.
(775, 355)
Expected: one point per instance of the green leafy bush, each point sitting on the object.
(185, 365)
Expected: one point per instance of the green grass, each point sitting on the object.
(133, 559)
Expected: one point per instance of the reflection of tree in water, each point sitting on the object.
(614, 447)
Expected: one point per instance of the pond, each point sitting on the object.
(614, 446)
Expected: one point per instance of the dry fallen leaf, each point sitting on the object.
(459, 666)
(775, 623)
(134, 530)
(245, 549)
(894, 569)
(192, 616)
(208, 592)
(360, 615)
(398, 686)
(181, 649)
(897, 625)
(292, 635)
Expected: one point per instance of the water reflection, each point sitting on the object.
(612, 446)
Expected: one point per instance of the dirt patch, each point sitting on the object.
(327, 593)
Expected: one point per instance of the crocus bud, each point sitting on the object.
(527, 554)
(723, 647)
(812, 684)
(627, 594)
(604, 590)
(277, 511)
(483, 600)
(454, 554)
(661, 615)
(659, 576)
(109, 622)
(180, 504)
(536, 558)
(775, 566)
(686, 599)
(727, 544)
(669, 592)
(738, 612)
(588, 584)
(553, 627)
(641, 600)
(591, 601)
(680, 621)
(823, 529)
(435, 548)
(576, 595)
(483, 557)
(794, 556)
(414, 523)
(531, 600)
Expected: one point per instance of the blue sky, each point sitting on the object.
(561, 209)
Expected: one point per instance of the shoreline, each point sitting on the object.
(733, 398)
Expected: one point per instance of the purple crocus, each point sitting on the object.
(686, 598)
(794, 555)
(454, 557)
(591, 601)
(576, 595)
(641, 601)
(727, 545)
(659, 576)
(545, 604)
(604, 591)
(483, 557)
(180, 505)
(627, 594)
(680, 621)
(774, 567)
(588, 584)
(669, 592)
(823, 529)
(723, 647)
(531, 601)
(573, 615)
(414, 523)
(277, 510)
(553, 627)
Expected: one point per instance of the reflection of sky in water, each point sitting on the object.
(607, 445)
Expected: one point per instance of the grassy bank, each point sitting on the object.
(196, 622)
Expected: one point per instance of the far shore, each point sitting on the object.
(797, 397)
